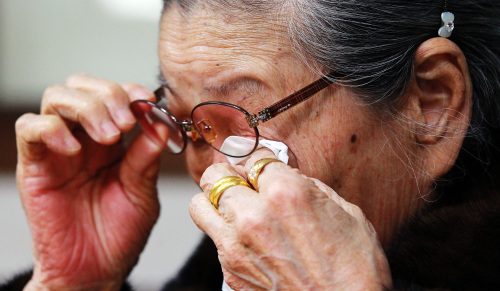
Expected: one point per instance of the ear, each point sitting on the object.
(440, 102)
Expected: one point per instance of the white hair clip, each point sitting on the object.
(448, 18)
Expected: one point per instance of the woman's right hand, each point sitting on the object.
(91, 202)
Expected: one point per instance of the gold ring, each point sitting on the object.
(222, 185)
(254, 173)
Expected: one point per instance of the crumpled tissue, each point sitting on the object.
(238, 145)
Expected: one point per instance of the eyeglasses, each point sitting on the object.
(213, 121)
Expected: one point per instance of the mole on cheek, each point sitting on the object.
(354, 146)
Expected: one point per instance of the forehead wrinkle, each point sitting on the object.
(203, 35)
(202, 49)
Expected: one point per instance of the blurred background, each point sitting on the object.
(41, 43)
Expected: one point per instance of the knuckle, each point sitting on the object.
(76, 78)
(220, 167)
(86, 110)
(253, 224)
(88, 106)
(283, 190)
(100, 87)
(112, 90)
(132, 86)
(23, 122)
(227, 248)
(355, 211)
(53, 90)
(195, 204)
(50, 94)
(231, 252)
(249, 223)
(49, 124)
(213, 173)
(29, 127)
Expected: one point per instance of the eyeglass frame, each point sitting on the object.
(263, 115)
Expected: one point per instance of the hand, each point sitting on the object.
(90, 202)
(296, 233)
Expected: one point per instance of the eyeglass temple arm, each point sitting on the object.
(290, 101)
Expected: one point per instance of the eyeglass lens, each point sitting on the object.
(214, 121)
(217, 121)
(157, 124)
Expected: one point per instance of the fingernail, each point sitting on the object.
(125, 116)
(109, 129)
(72, 145)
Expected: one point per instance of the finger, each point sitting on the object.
(206, 219)
(214, 173)
(235, 193)
(233, 256)
(141, 164)
(81, 108)
(239, 206)
(114, 97)
(233, 204)
(138, 92)
(242, 282)
(36, 133)
(260, 154)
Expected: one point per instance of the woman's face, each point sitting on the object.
(332, 137)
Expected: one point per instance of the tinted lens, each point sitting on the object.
(156, 123)
(216, 122)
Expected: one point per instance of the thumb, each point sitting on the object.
(141, 165)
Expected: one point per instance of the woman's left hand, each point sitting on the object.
(295, 233)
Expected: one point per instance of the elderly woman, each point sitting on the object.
(391, 178)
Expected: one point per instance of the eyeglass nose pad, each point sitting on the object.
(192, 133)
(206, 130)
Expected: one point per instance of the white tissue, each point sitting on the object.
(226, 287)
(237, 145)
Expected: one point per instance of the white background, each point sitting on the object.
(44, 41)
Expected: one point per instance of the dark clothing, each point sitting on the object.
(202, 271)
(19, 281)
(455, 242)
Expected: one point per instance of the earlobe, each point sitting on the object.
(441, 99)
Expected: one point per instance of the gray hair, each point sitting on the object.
(372, 44)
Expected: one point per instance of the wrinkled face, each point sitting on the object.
(333, 137)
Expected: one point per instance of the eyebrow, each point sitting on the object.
(247, 85)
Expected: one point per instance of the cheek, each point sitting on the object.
(329, 145)
(198, 159)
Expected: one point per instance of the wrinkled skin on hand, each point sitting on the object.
(90, 202)
(296, 233)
